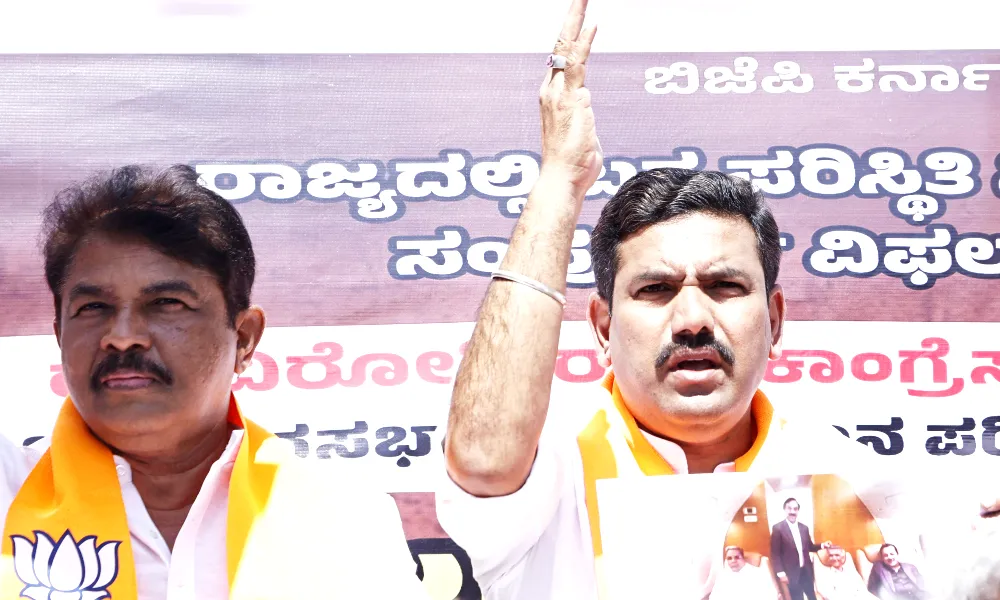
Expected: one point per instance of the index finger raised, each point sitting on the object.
(574, 21)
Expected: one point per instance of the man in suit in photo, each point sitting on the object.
(894, 580)
(791, 544)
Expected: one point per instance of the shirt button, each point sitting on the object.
(122, 471)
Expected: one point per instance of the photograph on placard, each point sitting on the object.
(741, 536)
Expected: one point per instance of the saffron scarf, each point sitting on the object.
(67, 531)
(612, 446)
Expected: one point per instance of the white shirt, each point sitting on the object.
(536, 543)
(675, 457)
(797, 536)
(749, 583)
(844, 583)
(196, 569)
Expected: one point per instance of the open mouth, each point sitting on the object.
(695, 370)
(696, 359)
(695, 365)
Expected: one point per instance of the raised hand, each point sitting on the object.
(570, 148)
(501, 394)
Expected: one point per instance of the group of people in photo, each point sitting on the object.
(797, 567)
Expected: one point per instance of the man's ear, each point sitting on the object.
(249, 329)
(57, 329)
(599, 318)
(776, 315)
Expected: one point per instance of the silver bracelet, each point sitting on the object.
(538, 286)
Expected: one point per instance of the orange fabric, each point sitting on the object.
(600, 462)
(74, 491)
(72, 488)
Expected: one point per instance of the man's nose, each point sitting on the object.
(126, 330)
(692, 313)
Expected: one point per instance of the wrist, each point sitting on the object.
(554, 195)
(562, 178)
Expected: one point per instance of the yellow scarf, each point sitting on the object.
(67, 531)
(604, 457)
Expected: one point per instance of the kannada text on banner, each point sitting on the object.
(380, 192)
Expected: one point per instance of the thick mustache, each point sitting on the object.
(702, 340)
(129, 361)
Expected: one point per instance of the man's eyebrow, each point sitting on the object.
(724, 272)
(711, 273)
(173, 285)
(658, 275)
(86, 289)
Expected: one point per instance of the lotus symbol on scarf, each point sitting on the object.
(67, 570)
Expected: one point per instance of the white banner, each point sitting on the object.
(372, 401)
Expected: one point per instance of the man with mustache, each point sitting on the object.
(834, 581)
(891, 579)
(154, 484)
(743, 581)
(687, 313)
(791, 544)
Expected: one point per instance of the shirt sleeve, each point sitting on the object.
(325, 533)
(16, 463)
(397, 571)
(370, 557)
(498, 532)
(779, 569)
(769, 588)
(821, 575)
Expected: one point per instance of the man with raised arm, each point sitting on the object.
(687, 313)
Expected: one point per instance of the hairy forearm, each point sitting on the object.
(502, 387)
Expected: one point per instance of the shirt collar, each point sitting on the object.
(675, 457)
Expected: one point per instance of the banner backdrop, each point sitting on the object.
(380, 191)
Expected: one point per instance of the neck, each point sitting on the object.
(169, 483)
(704, 457)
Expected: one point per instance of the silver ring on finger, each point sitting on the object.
(556, 61)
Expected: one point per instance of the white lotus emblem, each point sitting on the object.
(66, 570)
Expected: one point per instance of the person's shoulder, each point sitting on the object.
(327, 493)
(572, 407)
(820, 447)
(18, 459)
(16, 463)
(322, 477)
(804, 428)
